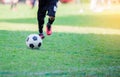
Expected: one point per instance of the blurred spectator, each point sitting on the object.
(14, 4)
(65, 1)
(96, 5)
(5, 1)
(107, 3)
(93, 4)
(31, 3)
(80, 2)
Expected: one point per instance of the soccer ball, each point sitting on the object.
(33, 41)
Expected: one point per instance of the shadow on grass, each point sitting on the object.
(110, 21)
(66, 20)
(20, 20)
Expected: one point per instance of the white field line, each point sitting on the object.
(67, 29)
(75, 71)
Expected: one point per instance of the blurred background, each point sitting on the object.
(94, 5)
(85, 40)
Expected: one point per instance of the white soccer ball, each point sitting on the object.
(33, 41)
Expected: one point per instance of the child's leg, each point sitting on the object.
(51, 20)
(40, 18)
(48, 27)
(41, 15)
(51, 13)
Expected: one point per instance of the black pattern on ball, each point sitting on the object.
(39, 44)
(34, 38)
(31, 46)
(27, 39)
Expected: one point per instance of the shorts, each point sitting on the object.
(48, 6)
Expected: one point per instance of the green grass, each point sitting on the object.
(70, 54)
(62, 54)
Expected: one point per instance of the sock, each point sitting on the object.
(50, 21)
(40, 26)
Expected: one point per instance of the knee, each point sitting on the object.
(52, 18)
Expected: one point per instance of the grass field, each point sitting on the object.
(65, 53)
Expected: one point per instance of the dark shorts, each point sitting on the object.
(48, 6)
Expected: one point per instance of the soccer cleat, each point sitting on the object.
(42, 35)
(48, 29)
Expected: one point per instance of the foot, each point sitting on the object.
(48, 29)
(42, 35)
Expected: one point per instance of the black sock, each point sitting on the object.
(41, 29)
(40, 26)
(50, 21)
